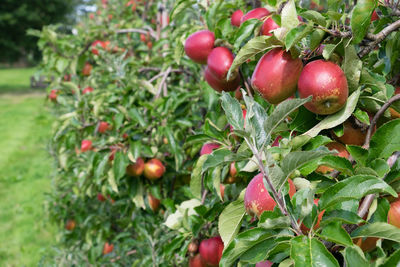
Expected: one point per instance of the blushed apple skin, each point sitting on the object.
(208, 148)
(199, 45)
(394, 213)
(103, 127)
(108, 248)
(374, 16)
(351, 135)
(154, 169)
(221, 85)
(257, 13)
(197, 261)
(342, 152)
(304, 228)
(211, 250)
(236, 17)
(276, 74)
(154, 202)
(264, 264)
(136, 169)
(326, 83)
(219, 62)
(257, 198)
(70, 225)
(86, 145)
(268, 26)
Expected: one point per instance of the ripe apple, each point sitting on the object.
(236, 17)
(374, 16)
(351, 135)
(268, 26)
(103, 127)
(193, 247)
(257, 198)
(91, 16)
(154, 169)
(276, 75)
(342, 152)
(394, 213)
(95, 44)
(221, 85)
(53, 95)
(108, 248)
(143, 37)
(149, 45)
(304, 228)
(135, 169)
(326, 83)
(264, 264)
(208, 148)
(86, 145)
(211, 250)
(219, 62)
(222, 189)
(257, 13)
(87, 90)
(70, 225)
(199, 45)
(366, 244)
(154, 202)
(87, 69)
(197, 261)
(100, 197)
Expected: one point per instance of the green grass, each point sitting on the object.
(15, 80)
(25, 171)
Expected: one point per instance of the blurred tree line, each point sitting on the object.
(17, 16)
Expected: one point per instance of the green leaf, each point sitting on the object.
(135, 148)
(245, 31)
(289, 16)
(338, 163)
(354, 256)
(111, 181)
(119, 165)
(311, 252)
(196, 177)
(352, 67)
(221, 156)
(99, 171)
(230, 220)
(379, 229)
(136, 116)
(233, 111)
(180, 6)
(273, 220)
(393, 260)
(361, 18)
(354, 187)
(362, 116)
(216, 174)
(334, 232)
(337, 118)
(385, 140)
(251, 48)
(315, 17)
(341, 215)
(358, 153)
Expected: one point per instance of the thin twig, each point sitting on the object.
(203, 197)
(152, 34)
(160, 86)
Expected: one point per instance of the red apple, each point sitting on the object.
(304, 228)
(342, 152)
(100, 197)
(135, 169)
(236, 17)
(221, 85)
(149, 45)
(94, 45)
(86, 145)
(211, 250)
(143, 37)
(53, 95)
(257, 13)
(351, 135)
(326, 83)
(154, 169)
(108, 248)
(154, 202)
(257, 198)
(208, 148)
(232, 170)
(199, 45)
(87, 69)
(222, 189)
(219, 62)
(374, 16)
(70, 225)
(197, 261)
(103, 127)
(276, 75)
(87, 90)
(394, 213)
(268, 26)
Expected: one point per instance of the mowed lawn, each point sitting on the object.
(25, 171)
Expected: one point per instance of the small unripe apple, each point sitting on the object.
(70, 225)
(154, 202)
(208, 148)
(268, 26)
(108, 248)
(193, 247)
(342, 152)
(257, 198)
(264, 264)
(304, 228)
(221, 85)
(232, 170)
(199, 45)
(211, 250)
(87, 90)
(154, 169)
(351, 135)
(236, 17)
(197, 261)
(86, 145)
(103, 127)
(257, 13)
(87, 69)
(100, 197)
(136, 169)
(394, 213)
(276, 75)
(219, 62)
(326, 83)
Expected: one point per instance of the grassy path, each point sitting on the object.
(25, 171)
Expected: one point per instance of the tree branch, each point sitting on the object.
(151, 32)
